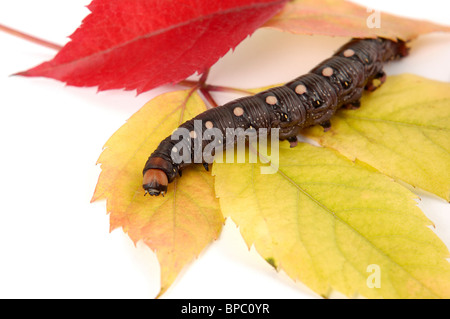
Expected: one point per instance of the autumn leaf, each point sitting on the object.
(323, 219)
(328, 222)
(181, 224)
(403, 130)
(347, 19)
(142, 44)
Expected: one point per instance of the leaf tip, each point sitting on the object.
(97, 195)
(271, 261)
(21, 73)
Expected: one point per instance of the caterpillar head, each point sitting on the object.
(155, 182)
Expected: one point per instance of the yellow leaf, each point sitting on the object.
(181, 224)
(401, 129)
(335, 225)
(343, 18)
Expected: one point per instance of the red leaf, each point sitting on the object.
(142, 44)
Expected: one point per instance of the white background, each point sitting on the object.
(55, 244)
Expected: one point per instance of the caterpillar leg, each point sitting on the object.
(353, 105)
(293, 141)
(353, 102)
(326, 125)
(377, 81)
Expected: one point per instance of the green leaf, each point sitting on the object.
(402, 130)
(335, 225)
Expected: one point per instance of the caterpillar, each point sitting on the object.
(308, 100)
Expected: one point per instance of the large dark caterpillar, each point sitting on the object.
(305, 101)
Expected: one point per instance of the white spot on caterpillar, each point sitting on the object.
(348, 53)
(238, 111)
(272, 100)
(300, 89)
(327, 71)
(209, 124)
(174, 149)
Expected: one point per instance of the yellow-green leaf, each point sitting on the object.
(344, 18)
(181, 224)
(402, 129)
(335, 225)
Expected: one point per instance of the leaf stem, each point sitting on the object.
(227, 89)
(203, 78)
(205, 92)
(30, 38)
(206, 88)
(216, 88)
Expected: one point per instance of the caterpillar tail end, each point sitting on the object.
(403, 49)
(155, 182)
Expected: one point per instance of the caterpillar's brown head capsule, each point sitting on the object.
(155, 182)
